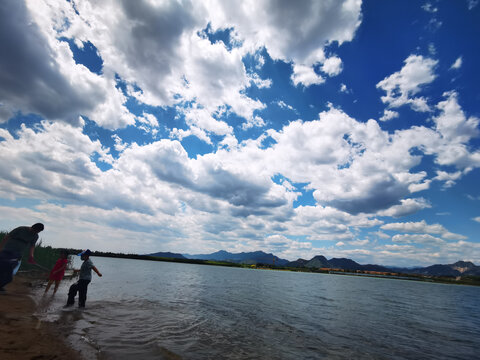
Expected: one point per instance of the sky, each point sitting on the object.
(337, 128)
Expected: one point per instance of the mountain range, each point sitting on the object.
(460, 268)
(255, 257)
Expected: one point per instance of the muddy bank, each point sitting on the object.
(22, 334)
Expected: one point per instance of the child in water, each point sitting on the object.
(81, 286)
(58, 271)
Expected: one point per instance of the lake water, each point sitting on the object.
(160, 310)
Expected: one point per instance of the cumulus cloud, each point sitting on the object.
(402, 86)
(53, 85)
(457, 64)
(201, 119)
(306, 76)
(332, 66)
(322, 23)
(260, 83)
(160, 52)
(448, 178)
(406, 207)
(389, 115)
(415, 227)
(359, 242)
(355, 170)
(419, 228)
(452, 122)
(54, 159)
(276, 28)
(344, 89)
(425, 239)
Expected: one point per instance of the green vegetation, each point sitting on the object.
(45, 256)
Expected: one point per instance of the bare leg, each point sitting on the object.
(48, 285)
(57, 282)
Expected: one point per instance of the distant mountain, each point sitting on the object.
(343, 263)
(255, 257)
(460, 268)
(373, 267)
(297, 263)
(167, 255)
(466, 268)
(318, 261)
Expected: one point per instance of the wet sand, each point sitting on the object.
(22, 334)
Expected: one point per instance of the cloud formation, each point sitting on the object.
(401, 86)
(216, 124)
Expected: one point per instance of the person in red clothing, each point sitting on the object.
(58, 271)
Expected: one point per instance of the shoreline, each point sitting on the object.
(22, 334)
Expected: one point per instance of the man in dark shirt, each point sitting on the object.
(12, 247)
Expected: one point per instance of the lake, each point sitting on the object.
(161, 310)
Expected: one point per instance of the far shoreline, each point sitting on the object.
(332, 271)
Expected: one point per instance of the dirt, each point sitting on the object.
(22, 334)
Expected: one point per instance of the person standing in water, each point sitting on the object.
(58, 271)
(81, 286)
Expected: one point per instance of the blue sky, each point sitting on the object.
(345, 128)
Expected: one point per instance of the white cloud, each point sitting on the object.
(457, 64)
(359, 242)
(448, 178)
(452, 122)
(53, 86)
(389, 115)
(200, 118)
(452, 236)
(158, 50)
(276, 27)
(256, 121)
(216, 191)
(332, 66)
(415, 227)
(401, 86)
(381, 235)
(422, 227)
(148, 119)
(120, 145)
(477, 219)
(260, 83)
(306, 76)
(425, 239)
(419, 186)
(429, 7)
(407, 207)
(283, 105)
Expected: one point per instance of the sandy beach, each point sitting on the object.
(22, 334)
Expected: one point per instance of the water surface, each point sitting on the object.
(154, 310)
